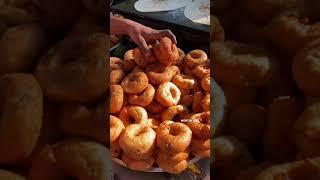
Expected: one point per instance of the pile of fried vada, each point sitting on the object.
(160, 107)
(266, 57)
(53, 80)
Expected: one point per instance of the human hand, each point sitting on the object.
(143, 35)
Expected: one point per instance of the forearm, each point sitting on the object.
(120, 26)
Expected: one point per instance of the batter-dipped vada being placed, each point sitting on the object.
(143, 35)
(166, 51)
(75, 69)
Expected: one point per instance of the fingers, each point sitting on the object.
(168, 33)
(143, 45)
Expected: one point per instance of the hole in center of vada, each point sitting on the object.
(195, 55)
(173, 93)
(173, 132)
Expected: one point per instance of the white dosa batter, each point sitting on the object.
(198, 12)
(160, 5)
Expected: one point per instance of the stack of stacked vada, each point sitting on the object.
(265, 57)
(53, 80)
(160, 107)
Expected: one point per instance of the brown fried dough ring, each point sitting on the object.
(140, 165)
(166, 52)
(139, 114)
(20, 46)
(200, 147)
(128, 65)
(242, 65)
(171, 112)
(295, 29)
(88, 121)
(201, 70)
(158, 73)
(168, 94)
(21, 114)
(195, 57)
(200, 125)
(171, 167)
(75, 69)
(175, 137)
(185, 81)
(116, 76)
(116, 127)
(116, 98)
(138, 141)
(115, 63)
(143, 99)
(174, 157)
(135, 82)
(155, 107)
(180, 59)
